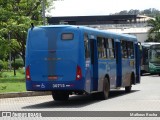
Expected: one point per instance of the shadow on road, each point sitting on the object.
(76, 101)
(150, 75)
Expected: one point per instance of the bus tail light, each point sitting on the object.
(78, 73)
(28, 77)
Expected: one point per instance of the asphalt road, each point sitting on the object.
(144, 97)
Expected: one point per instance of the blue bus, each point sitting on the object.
(67, 59)
(150, 58)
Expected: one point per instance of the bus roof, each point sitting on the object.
(119, 35)
(95, 30)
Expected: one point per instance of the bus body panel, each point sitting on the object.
(128, 67)
(53, 62)
(107, 67)
(55, 85)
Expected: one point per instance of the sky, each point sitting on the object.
(99, 7)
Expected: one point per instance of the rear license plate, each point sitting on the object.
(52, 77)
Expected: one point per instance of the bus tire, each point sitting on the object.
(129, 88)
(106, 89)
(141, 72)
(60, 95)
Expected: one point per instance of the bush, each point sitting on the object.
(1, 65)
(22, 71)
(18, 64)
(5, 65)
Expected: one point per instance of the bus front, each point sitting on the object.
(154, 59)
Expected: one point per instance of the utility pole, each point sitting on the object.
(43, 11)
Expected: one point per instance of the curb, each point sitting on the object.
(24, 94)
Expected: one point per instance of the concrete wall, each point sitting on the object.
(141, 33)
(140, 36)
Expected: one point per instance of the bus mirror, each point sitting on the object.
(32, 26)
(140, 46)
(139, 43)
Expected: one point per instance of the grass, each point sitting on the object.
(11, 83)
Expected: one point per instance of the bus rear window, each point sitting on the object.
(67, 36)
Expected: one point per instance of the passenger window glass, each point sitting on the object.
(105, 48)
(127, 48)
(111, 48)
(86, 40)
(101, 44)
(124, 49)
(130, 49)
(67, 36)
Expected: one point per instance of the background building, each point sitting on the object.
(127, 24)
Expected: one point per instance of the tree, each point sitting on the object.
(15, 19)
(154, 32)
(133, 12)
(3, 49)
(151, 12)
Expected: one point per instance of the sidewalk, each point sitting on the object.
(24, 94)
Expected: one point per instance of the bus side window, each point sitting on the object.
(111, 48)
(106, 47)
(124, 49)
(86, 45)
(130, 49)
(101, 44)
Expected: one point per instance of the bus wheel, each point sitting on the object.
(159, 74)
(60, 95)
(106, 88)
(142, 73)
(129, 88)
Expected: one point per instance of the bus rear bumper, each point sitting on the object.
(54, 85)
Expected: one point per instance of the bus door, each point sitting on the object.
(137, 60)
(126, 69)
(94, 64)
(118, 64)
(145, 59)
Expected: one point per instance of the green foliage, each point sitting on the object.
(9, 75)
(1, 65)
(15, 19)
(4, 49)
(151, 12)
(18, 64)
(10, 86)
(154, 32)
(21, 71)
(5, 65)
(0, 74)
(11, 83)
